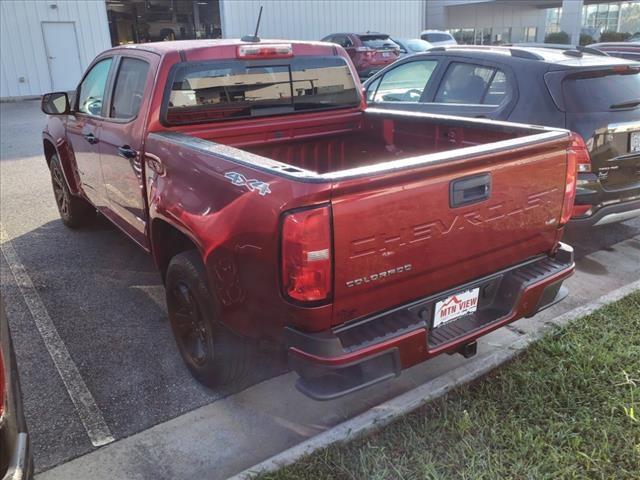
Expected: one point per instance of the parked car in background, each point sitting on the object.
(15, 453)
(438, 38)
(628, 50)
(279, 209)
(596, 96)
(369, 51)
(166, 26)
(409, 46)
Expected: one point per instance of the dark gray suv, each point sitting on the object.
(586, 91)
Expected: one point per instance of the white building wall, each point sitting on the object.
(492, 15)
(312, 20)
(22, 50)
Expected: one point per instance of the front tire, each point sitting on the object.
(214, 355)
(74, 211)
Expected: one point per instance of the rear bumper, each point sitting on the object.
(607, 206)
(367, 71)
(612, 213)
(353, 356)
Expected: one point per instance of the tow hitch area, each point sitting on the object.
(469, 350)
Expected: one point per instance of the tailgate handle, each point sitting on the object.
(468, 190)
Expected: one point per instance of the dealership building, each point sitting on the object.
(45, 45)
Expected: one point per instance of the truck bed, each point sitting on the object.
(364, 140)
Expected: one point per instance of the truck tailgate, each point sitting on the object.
(416, 231)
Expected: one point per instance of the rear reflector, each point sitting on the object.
(306, 255)
(580, 210)
(577, 153)
(265, 51)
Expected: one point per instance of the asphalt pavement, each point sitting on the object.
(105, 300)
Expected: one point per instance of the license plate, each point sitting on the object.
(635, 142)
(455, 306)
(386, 54)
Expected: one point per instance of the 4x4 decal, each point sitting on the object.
(241, 181)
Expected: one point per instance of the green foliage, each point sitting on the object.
(586, 39)
(558, 37)
(567, 408)
(610, 36)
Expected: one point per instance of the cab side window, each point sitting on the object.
(92, 89)
(469, 84)
(129, 89)
(405, 83)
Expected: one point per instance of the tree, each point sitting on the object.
(610, 36)
(586, 39)
(557, 37)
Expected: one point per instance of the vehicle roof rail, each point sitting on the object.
(554, 46)
(572, 53)
(437, 49)
(521, 53)
(592, 51)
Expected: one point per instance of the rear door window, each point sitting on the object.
(209, 91)
(466, 83)
(601, 91)
(129, 89)
(497, 89)
(405, 83)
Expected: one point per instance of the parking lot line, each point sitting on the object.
(86, 407)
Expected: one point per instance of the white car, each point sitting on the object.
(409, 46)
(438, 37)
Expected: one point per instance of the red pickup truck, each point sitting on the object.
(276, 206)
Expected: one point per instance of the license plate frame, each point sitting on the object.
(634, 142)
(455, 306)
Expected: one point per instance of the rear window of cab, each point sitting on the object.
(210, 91)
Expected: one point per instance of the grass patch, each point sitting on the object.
(569, 407)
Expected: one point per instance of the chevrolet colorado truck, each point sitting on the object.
(278, 207)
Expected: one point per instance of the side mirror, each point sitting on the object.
(56, 103)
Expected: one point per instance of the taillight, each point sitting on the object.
(583, 160)
(306, 255)
(368, 52)
(265, 51)
(576, 153)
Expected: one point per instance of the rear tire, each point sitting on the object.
(214, 355)
(74, 211)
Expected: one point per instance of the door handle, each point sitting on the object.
(125, 151)
(468, 190)
(91, 138)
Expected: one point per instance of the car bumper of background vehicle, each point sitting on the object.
(615, 212)
(367, 72)
(604, 205)
(364, 352)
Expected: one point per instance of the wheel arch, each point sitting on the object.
(167, 241)
(50, 150)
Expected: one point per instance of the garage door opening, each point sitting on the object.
(142, 21)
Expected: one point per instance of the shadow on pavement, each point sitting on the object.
(105, 297)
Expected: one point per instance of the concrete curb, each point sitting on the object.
(388, 411)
